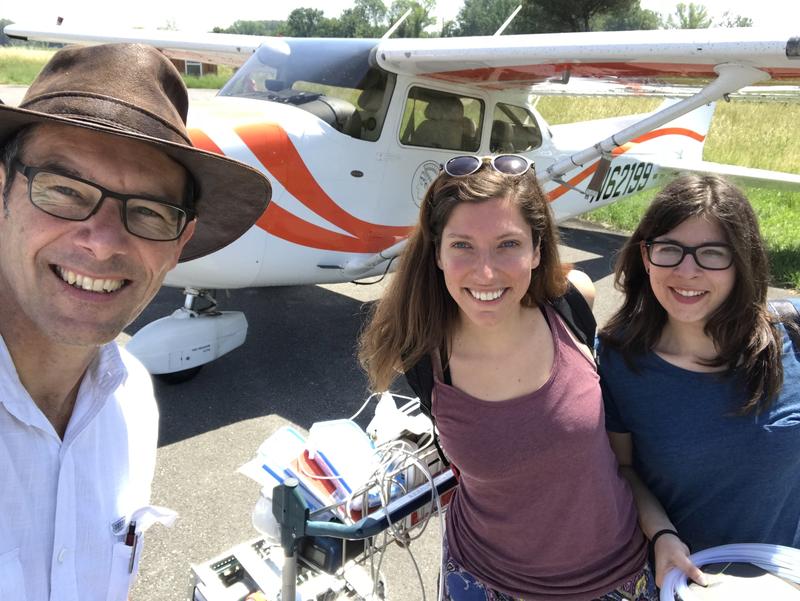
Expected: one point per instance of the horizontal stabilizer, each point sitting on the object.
(761, 178)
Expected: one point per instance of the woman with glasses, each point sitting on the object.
(701, 383)
(541, 511)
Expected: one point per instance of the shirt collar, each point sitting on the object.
(105, 373)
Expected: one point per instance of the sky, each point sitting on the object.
(190, 15)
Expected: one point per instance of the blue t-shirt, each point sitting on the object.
(722, 477)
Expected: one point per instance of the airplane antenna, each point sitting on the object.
(397, 24)
(508, 21)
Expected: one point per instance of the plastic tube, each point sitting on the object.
(776, 559)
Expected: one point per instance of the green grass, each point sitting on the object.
(20, 65)
(751, 134)
(209, 82)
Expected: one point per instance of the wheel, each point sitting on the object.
(179, 377)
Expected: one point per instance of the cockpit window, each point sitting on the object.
(514, 129)
(437, 119)
(332, 79)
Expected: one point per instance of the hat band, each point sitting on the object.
(108, 112)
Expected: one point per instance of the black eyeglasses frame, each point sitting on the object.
(30, 173)
(687, 250)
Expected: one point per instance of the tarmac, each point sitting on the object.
(297, 366)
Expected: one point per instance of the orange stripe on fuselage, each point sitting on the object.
(201, 140)
(281, 223)
(667, 131)
(272, 146)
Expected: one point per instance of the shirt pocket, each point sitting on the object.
(12, 582)
(123, 574)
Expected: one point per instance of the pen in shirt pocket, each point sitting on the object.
(131, 538)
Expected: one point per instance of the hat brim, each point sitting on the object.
(230, 196)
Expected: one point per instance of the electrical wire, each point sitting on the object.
(379, 280)
(394, 458)
(776, 559)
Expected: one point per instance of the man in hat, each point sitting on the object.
(102, 195)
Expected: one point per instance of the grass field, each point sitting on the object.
(19, 66)
(752, 134)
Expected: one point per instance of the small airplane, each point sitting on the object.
(351, 132)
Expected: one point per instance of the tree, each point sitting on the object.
(374, 11)
(688, 16)
(305, 23)
(480, 17)
(415, 24)
(365, 20)
(729, 20)
(254, 28)
(555, 16)
(629, 18)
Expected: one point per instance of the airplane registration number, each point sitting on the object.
(622, 180)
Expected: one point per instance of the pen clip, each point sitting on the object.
(130, 537)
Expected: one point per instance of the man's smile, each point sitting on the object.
(85, 282)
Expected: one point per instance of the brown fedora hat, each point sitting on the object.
(134, 91)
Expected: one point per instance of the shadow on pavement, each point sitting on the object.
(604, 243)
(298, 361)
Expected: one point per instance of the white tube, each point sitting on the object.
(776, 559)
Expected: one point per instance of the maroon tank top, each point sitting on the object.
(541, 511)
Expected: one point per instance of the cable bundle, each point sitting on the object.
(776, 559)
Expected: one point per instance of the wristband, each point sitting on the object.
(661, 533)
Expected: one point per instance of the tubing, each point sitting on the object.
(776, 559)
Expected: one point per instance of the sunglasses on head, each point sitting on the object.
(510, 164)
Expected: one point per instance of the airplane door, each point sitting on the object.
(433, 126)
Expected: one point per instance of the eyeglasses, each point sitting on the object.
(510, 164)
(77, 199)
(707, 256)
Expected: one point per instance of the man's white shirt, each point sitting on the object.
(66, 506)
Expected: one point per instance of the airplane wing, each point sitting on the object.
(516, 61)
(218, 48)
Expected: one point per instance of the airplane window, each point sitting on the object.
(437, 119)
(514, 129)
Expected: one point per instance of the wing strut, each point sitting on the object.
(730, 78)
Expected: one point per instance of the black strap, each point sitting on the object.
(790, 317)
(577, 314)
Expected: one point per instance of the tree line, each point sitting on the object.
(371, 18)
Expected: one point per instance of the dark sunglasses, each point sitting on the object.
(510, 164)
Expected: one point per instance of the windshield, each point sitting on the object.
(331, 78)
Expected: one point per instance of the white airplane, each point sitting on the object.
(351, 132)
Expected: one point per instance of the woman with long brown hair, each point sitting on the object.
(701, 383)
(541, 511)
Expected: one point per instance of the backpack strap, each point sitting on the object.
(790, 316)
(577, 314)
(420, 379)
